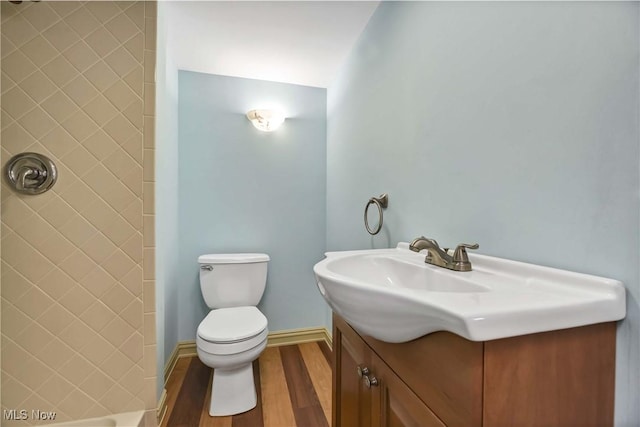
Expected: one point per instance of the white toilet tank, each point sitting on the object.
(232, 280)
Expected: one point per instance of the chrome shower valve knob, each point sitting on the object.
(31, 173)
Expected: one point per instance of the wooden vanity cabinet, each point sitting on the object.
(560, 378)
(394, 404)
(351, 401)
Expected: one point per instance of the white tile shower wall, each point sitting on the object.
(77, 301)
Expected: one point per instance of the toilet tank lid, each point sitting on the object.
(232, 258)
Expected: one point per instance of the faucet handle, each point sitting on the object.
(460, 254)
(433, 241)
(415, 244)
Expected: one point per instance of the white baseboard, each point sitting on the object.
(162, 406)
(299, 336)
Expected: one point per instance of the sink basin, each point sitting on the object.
(393, 296)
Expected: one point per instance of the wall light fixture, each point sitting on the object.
(266, 120)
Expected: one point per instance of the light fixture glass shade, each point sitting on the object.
(266, 120)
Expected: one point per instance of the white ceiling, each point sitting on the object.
(299, 42)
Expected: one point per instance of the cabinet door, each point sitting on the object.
(351, 400)
(394, 404)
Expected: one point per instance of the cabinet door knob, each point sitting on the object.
(363, 370)
(370, 381)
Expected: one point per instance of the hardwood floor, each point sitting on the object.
(293, 385)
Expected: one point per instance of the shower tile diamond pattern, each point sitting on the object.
(72, 258)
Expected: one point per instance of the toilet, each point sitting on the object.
(234, 333)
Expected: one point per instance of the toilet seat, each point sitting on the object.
(232, 348)
(227, 325)
(231, 330)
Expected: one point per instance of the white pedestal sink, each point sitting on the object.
(393, 296)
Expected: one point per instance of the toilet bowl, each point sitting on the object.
(229, 340)
(233, 334)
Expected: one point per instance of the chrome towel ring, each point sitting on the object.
(381, 202)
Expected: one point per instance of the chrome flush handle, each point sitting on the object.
(206, 267)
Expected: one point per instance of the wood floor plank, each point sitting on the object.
(252, 418)
(304, 400)
(289, 384)
(277, 410)
(207, 420)
(190, 400)
(174, 383)
(320, 374)
(326, 351)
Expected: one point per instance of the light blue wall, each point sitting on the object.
(166, 220)
(514, 125)
(242, 190)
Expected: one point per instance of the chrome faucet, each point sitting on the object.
(440, 257)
